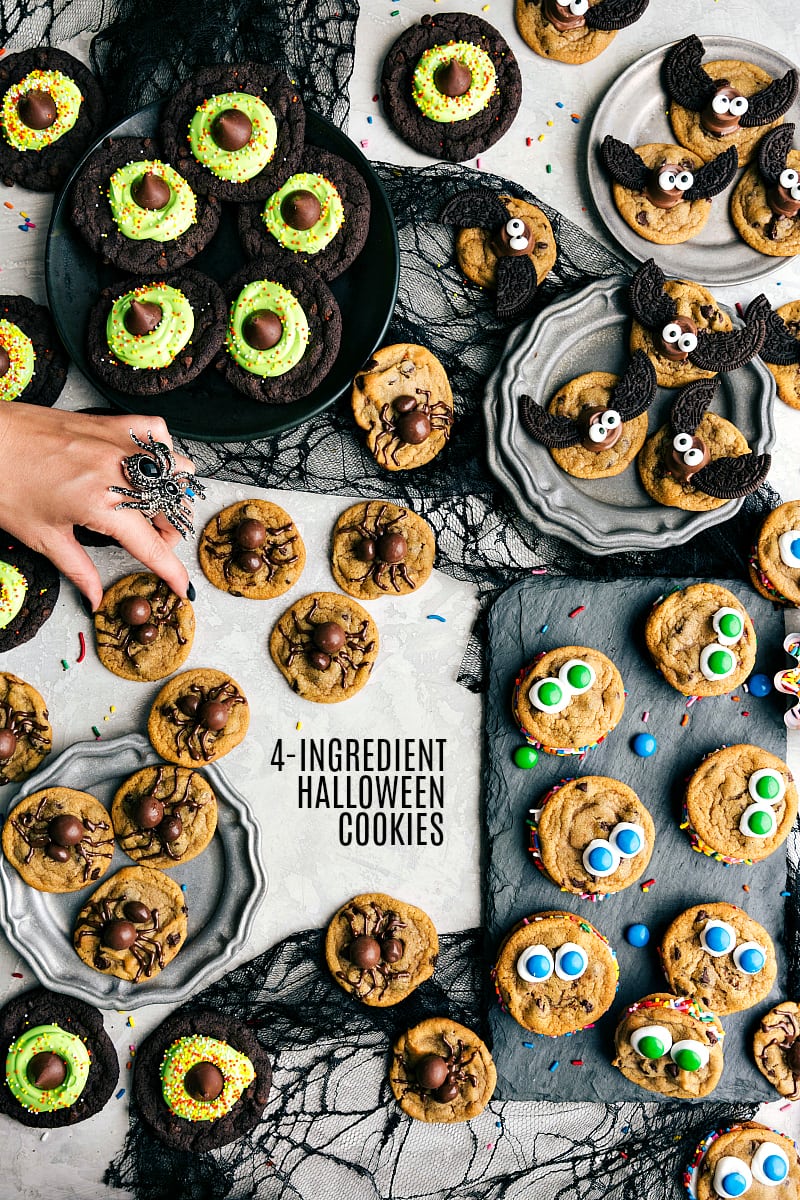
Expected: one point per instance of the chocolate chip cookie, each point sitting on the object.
(198, 717)
(720, 955)
(663, 226)
(746, 1158)
(695, 303)
(25, 732)
(701, 640)
(379, 549)
(59, 839)
(325, 646)
(33, 363)
(164, 816)
(554, 32)
(656, 467)
(143, 631)
(252, 549)
(787, 375)
(568, 700)
(775, 560)
(380, 949)
(687, 125)
(671, 1045)
(441, 1071)
(579, 400)
(756, 220)
(776, 1048)
(477, 253)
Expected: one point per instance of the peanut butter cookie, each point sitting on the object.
(441, 1071)
(380, 949)
(252, 548)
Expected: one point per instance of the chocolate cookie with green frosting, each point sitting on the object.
(29, 586)
(33, 363)
(202, 1079)
(451, 86)
(59, 1064)
(137, 212)
(51, 110)
(320, 216)
(152, 336)
(283, 329)
(235, 130)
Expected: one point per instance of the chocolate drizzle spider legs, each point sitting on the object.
(156, 485)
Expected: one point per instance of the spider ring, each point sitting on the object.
(156, 485)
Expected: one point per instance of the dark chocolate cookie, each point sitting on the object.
(50, 362)
(299, 237)
(208, 307)
(91, 212)
(42, 581)
(455, 140)
(200, 1135)
(45, 170)
(323, 318)
(74, 1017)
(277, 92)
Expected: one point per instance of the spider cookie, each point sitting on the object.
(284, 328)
(664, 192)
(235, 130)
(451, 86)
(701, 640)
(765, 206)
(402, 398)
(164, 816)
(555, 973)
(198, 717)
(700, 460)
(25, 733)
(60, 1064)
(202, 1080)
(776, 1048)
(568, 700)
(325, 646)
(33, 364)
(319, 216)
(51, 110)
(595, 424)
(29, 587)
(380, 949)
(253, 549)
(142, 629)
(379, 549)
(670, 1044)
(441, 1071)
(574, 31)
(781, 347)
(59, 839)
(502, 243)
(723, 104)
(591, 836)
(747, 1159)
(137, 212)
(775, 559)
(739, 805)
(720, 955)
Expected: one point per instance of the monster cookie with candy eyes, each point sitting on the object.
(775, 559)
(555, 973)
(451, 86)
(502, 243)
(781, 347)
(325, 646)
(252, 549)
(725, 104)
(59, 839)
(747, 1160)
(721, 956)
(568, 700)
(33, 366)
(381, 550)
(198, 717)
(596, 424)
(765, 206)
(441, 1071)
(164, 816)
(144, 631)
(662, 191)
(380, 949)
(701, 640)
(592, 836)
(574, 31)
(670, 1044)
(25, 733)
(776, 1048)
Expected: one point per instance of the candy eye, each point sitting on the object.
(767, 786)
(670, 333)
(788, 178)
(689, 1055)
(515, 227)
(597, 432)
(718, 938)
(535, 964)
(601, 858)
(789, 548)
(687, 342)
(666, 181)
(739, 106)
(651, 1041)
(571, 961)
(612, 419)
(684, 180)
(627, 838)
(770, 1164)
(732, 1177)
(682, 441)
(518, 243)
(577, 675)
(750, 958)
(549, 695)
(716, 662)
(693, 456)
(579, 7)
(728, 625)
(795, 192)
(721, 104)
(758, 820)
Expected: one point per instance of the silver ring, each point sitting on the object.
(156, 486)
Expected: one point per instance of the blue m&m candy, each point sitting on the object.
(637, 935)
(600, 859)
(759, 685)
(628, 842)
(644, 744)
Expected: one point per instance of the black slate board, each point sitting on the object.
(613, 622)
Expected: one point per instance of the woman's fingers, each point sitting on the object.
(72, 560)
(149, 545)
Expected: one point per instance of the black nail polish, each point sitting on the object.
(86, 605)
(191, 594)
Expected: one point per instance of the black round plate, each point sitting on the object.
(209, 409)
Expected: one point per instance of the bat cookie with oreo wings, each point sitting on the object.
(781, 348)
(574, 31)
(765, 205)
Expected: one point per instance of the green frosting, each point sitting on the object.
(286, 353)
(22, 358)
(237, 166)
(151, 224)
(430, 101)
(69, 1048)
(162, 345)
(13, 590)
(66, 97)
(322, 233)
(236, 1068)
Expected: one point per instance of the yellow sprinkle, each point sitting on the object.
(106, 718)
(485, 8)
(549, 122)
(112, 708)
(299, 725)
(22, 214)
(541, 137)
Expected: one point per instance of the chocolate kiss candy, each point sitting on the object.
(447, 1092)
(189, 704)
(367, 549)
(147, 812)
(8, 744)
(135, 610)
(721, 123)
(392, 547)
(319, 660)
(204, 1081)
(781, 202)
(301, 209)
(263, 329)
(431, 1071)
(392, 950)
(142, 317)
(5, 361)
(232, 129)
(414, 427)
(66, 830)
(151, 191)
(329, 637)
(118, 934)
(250, 533)
(213, 714)
(249, 560)
(37, 109)
(170, 829)
(793, 1057)
(453, 78)
(46, 1071)
(364, 952)
(560, 17)
(59, 854)
(136, 911)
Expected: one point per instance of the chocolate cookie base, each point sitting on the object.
(46, 170)
(457, 140)
(90, 213)
(41, 1007)
(40, 599)
(52, 362)
(198, 1136)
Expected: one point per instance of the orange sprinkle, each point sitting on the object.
(685, 719)
(7, 204)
